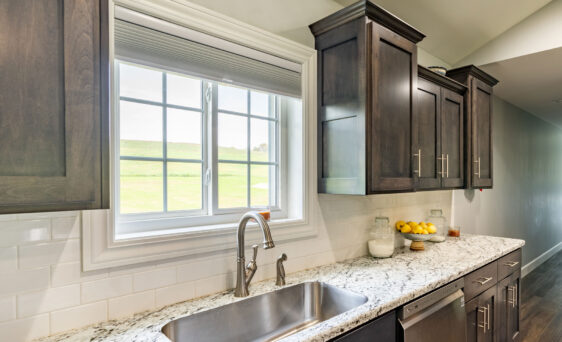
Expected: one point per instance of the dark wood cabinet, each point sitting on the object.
(478, 125)
(508, 308)
(492, 308)
(53, 112)
(439, 153)
(382, 329)
(481, 317)
(367, 75)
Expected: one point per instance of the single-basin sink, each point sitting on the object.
(267, 317)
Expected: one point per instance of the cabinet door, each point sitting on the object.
(481, 117)
(428, 131)
(392, 136)
(452, 139)
(481, 317)
(50, 104)
(508, 308)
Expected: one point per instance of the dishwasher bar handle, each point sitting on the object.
(428, 300)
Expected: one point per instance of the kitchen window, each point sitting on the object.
(190, 147)
(210, 118)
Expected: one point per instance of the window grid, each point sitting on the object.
(211, 139)
(165, 160)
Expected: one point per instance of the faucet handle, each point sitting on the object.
(255, 248)
(280, 281)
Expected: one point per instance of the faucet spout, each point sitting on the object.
(241, 274)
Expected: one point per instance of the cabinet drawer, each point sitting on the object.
(480, 280)
(509, 264)
(382, 329)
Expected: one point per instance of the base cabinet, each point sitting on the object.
(509, 291)
(481, 317)
(492, 312)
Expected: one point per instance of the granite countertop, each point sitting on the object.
(387, 283)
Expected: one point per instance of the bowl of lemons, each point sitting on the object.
(417, 232)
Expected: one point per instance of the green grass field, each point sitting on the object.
(141, 182)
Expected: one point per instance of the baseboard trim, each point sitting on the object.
(536, 262)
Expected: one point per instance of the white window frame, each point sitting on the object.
(101, 249)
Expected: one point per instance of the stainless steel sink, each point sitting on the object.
(267, 317)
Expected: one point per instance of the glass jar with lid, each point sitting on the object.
(436, 217)
(381, 238)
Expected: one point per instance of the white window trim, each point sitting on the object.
(101, 250)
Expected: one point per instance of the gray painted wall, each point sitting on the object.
(526, 201)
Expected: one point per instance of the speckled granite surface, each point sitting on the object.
(388, 283)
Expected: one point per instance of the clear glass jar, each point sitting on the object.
(436, 217)
(381, 238)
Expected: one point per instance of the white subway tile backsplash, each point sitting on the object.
(206, 268)
(131, 304)
(26, 280)
(65, 227)
(8, 259)
(106, 288)
(34, 303)
(70, 273)
(78, 316)
(32, 256)
(7, 308)
(214, 284)
(153, 279)
(18, 232)
(174, 294)
(23, 330)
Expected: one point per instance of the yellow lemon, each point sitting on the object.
(412, 224)
(429, 224)
(422, 224)
(424, 231)
(417, 230)
(406, 229)
(432, 229)
(400, 224)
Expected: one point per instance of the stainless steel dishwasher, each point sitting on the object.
(438, 316)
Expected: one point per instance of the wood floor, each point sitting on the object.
(541, 304)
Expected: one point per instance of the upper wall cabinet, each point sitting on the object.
(440, 115)
(367, 78)
(478, 124)
(53, 136)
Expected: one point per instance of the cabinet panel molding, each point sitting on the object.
(52, 139)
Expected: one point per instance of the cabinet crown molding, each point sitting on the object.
(367, 8)
(441, 80)
(465, 71)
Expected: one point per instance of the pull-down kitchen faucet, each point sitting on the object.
(245, 273)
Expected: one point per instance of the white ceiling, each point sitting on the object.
(531, 82)
(454, 28)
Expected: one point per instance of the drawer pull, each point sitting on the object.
(483, 280)
(511, 263)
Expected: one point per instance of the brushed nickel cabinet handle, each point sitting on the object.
(447, 165)
(442, 172)
(488, 316)
(484, 280)
(418, 171)
(511, 299)
(484, 311)
(516, 295)
(511, 263)
(478, 161)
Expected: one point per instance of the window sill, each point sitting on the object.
(100, 250)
